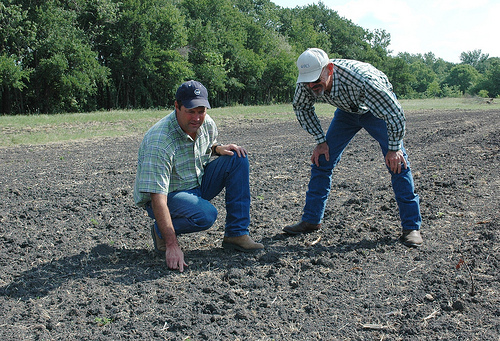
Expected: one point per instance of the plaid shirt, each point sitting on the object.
(169, 160)
(357, 88)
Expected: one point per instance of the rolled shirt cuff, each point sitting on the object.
(320, 139)
(395, 145)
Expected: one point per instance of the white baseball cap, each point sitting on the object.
(310, 63)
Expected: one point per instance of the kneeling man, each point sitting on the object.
(176, 180)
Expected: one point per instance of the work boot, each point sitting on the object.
(241, 243)
(302, 227)
(158, 243)
(412, 238)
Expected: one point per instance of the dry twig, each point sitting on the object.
(375, 326)
(433, 314)
(314, 242)
(460, 263)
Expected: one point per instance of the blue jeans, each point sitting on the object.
(191, 210)
(341, 131)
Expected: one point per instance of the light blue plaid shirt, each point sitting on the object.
(357, 88)
(169, 160)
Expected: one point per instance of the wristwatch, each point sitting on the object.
(214, 149)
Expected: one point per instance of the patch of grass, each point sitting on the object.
(265, 112)
(102, 321)
(464, 103)
(43, 129)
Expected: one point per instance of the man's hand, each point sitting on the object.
(175, 257)
(228, 149)
(394, 160)
(321, 149)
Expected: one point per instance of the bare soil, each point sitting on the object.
(77, 261)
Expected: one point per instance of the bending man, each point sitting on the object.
(365, 100)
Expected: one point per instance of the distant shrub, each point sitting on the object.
(451, 91)
(483, 93)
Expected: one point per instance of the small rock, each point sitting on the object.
(242, 315)
(458, 305)
(429, 297)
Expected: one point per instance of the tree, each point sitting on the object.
(79, 55)
(66, 69)
(433, 90)
(12, 79)
(301, 31)
(491, 79)
(423, 76)
(398, 72)
(464, 76)
(148, 38)
(474, 58)
(379, 41)
(17, 33)
(280, 74)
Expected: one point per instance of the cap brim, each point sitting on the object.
(309, 77)
(195, 103)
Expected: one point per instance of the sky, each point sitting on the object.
(444, 27)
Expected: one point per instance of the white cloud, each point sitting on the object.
(395, 17)
(387, 11)
(445, 27)
(450, 5)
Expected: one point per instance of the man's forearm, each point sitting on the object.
(311, 124)
(163, 219)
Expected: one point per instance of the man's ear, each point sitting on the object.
(330, 67)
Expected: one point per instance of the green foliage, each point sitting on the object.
(301, 28)
(483, 93)
(75, 56)
(398, 72)
(423, 76)
(490, 81)
(102, 321)
(475, 58)
(463, 76)
(433, 90)
(451, 91)
(11, 74)
(63, 70)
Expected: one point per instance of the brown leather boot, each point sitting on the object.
(302, 227)
(412, 238)
(158, 243)
(242, 243)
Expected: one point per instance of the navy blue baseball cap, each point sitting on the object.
(192, 94)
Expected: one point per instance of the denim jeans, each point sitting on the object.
(191, 210)
(341, 131)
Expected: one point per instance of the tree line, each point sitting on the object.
(85, 55)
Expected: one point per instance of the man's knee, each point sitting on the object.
(205, 218)
(240, 160)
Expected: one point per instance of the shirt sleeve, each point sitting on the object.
(384, 105)
(154, 171)
(303, 106)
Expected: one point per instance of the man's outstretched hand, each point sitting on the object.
(175, 258)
